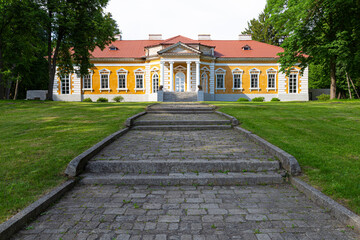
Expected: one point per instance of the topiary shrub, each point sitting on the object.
(118, 99)
(102, 100)
(323, 97)
(258, 99)
(275, 99)
(242, 99)
(87, 100)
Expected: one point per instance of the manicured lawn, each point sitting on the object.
(38, 140)
(323, 136)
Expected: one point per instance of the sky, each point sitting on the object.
(223, 19)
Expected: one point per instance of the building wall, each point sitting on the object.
(209, 67)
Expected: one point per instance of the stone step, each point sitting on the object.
(203, 179)
(181, 109)
(180, 112)
(182, 127)
(181, 122)
(179, 166)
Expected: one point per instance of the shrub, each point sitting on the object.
(102, 100)
(242, 99)
(323, 97)
(87, 100)
(258, 99)
(118, 99)
(275, 99)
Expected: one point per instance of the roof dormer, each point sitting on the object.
(113, 48)
(246, 47)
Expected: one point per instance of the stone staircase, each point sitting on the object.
(180, 96)
(208, 153)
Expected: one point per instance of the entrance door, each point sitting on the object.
(180, 82)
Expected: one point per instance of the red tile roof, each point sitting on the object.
(223, 48)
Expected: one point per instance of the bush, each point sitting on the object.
(242, 99)
(323, 97)
(118, 99)
(275, 99)
(102, 99)
(258, 99)
(87, 100)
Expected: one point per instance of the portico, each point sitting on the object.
(176, 80)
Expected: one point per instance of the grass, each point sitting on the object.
(38, 140)
(323, 136)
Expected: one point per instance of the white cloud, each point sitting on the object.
(223, 19)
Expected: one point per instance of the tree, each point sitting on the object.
(74, 28)
(262, 31)
(20, 41)
(316, 31)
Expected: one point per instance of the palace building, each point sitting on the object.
(183, 69)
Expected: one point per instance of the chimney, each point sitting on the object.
(155, 36)
(204, 37)
(118, 37)
(245, 37)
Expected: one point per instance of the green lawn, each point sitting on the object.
(38, 139)
(323, 136)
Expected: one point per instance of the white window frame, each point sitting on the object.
(91, 78)
(153, 83)
(205, 80)
(222, 72)
(69, 76)
(119, 72)
(105, 72)
(295, 72)
(268, 72)
(237, 71)
(255, 71)
(140, 72)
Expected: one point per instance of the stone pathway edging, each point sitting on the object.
(234, 121)
(77, 165)
(17, 222)
(340, 212)
(288, 162)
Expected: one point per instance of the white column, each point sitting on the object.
(197, 75)
(171, 76)
(162, 73)
(188, 76)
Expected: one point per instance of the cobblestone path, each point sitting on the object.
(179, 211)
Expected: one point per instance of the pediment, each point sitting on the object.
(179, 48)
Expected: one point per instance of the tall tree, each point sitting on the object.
(20, 40)
(314, 28)
(74, 28)
(262, 31)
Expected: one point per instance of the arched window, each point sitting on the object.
(155, 81)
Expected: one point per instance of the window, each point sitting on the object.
(87, 82)
(237, 79)
(104, 80)
(220, 79)
(155, 81)
(293, 83)
(122, 79)
(271, 79)
(113, 48)
(246, 47)
(254, 79)
(65, 84)
(204, 80)
(139, 79)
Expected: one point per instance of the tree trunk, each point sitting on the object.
(333, 78)
(16, 87)
(49, 53)
(8, 89)
(348, 83)
(352, 83)
(1, 75)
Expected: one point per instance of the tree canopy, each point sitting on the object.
(317, 31)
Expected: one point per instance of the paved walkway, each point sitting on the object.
(116, 211)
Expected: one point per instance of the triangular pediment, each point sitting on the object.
(179, 48)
